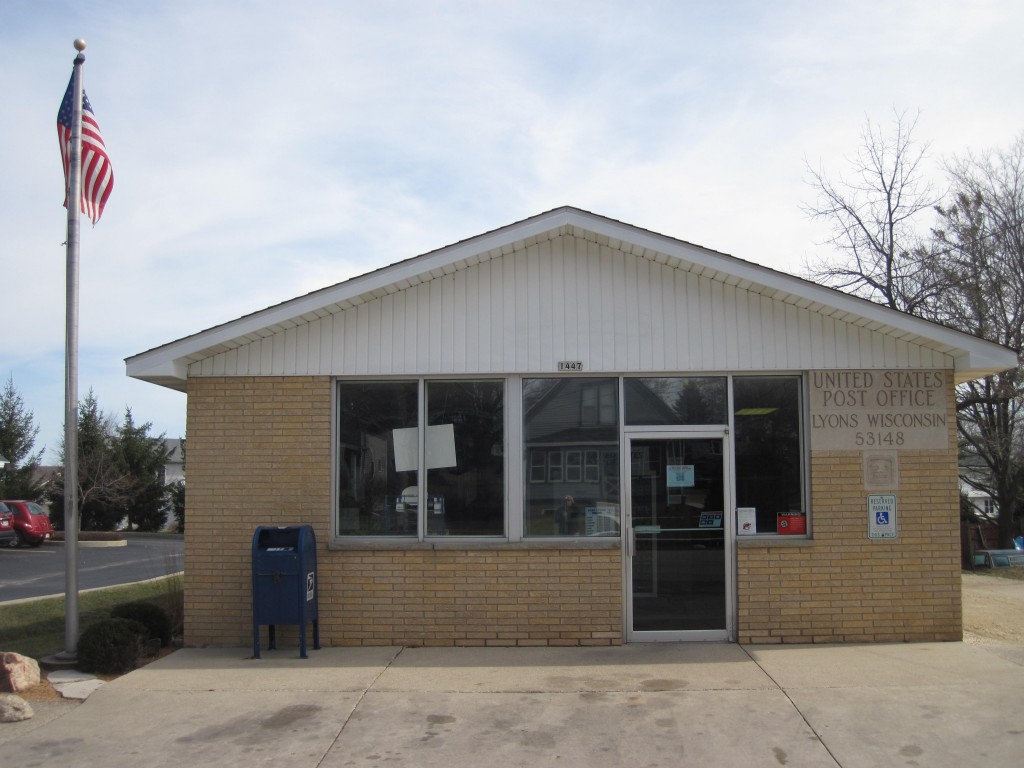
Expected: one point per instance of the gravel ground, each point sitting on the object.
(993, 609)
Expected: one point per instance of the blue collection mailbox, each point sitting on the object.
(284, 583)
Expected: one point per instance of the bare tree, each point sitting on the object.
(968, 273)
(980, 255)
(872, 212)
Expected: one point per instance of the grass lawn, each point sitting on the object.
(36, 628)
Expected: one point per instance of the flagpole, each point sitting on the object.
(71, 521)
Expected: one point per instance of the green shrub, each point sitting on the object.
(151, 616)
(111, 646)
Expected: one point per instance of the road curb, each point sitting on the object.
(20, 600)
(120, 543)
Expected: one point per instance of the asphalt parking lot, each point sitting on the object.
(30, 572)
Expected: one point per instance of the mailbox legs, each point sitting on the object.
(272, 639)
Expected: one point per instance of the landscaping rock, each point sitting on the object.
(72, 684)
(17, 672)
(62, 676)
(14, 709)
(79, 691)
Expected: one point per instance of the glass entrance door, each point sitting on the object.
(678, 558)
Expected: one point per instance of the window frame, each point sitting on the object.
(336, 457)
(804, 454)
(339, 539)
(518, 475)
(801, 377)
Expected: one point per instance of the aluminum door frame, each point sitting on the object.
(728, 523)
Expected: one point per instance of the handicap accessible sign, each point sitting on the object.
(882, 516)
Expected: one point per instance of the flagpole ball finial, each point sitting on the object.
(79, 45)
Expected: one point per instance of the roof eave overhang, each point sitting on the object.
(985, 360)
(170, 373)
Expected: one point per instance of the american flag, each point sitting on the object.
(97, 175)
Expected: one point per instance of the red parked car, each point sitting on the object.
(31, 523)
(7, 537)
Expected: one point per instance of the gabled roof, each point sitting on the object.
(168, 364)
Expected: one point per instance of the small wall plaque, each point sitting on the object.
(881, 471)
(570, 365)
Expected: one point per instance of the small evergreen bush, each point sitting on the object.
(151, 616)
(111, 646)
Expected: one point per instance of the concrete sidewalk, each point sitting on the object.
(936, 705)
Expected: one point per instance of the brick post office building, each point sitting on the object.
(572, 431)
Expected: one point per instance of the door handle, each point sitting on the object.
(630, 542)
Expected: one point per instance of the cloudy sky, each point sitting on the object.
(265, 149)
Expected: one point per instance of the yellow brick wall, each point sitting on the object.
(842, 586)
(259, 453)
(473, 597)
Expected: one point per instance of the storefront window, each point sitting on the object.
(769, 454)
(686, 400)
(466, 459)
(427, 459)
(379, 464)
(571, 442)
(377, 458)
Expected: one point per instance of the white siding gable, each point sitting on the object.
(570, 296)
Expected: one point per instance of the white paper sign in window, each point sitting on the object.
(440, 447)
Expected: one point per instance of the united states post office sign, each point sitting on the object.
(862, 410)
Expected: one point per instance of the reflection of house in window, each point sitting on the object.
(676, 400)
(554, 466)
(538, 467)
(597, 404)
(573, 466)
(571, 431)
